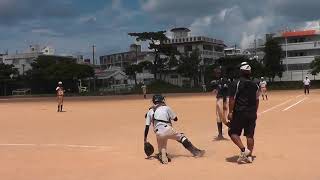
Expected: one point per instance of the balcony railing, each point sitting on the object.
(301, 46)
(298, 60)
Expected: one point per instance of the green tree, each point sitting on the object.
(146, 65)
(7, 72)
(132, 70)
(272, 59)
(315, 66)
(189, 65)
(156, 42)
(47, 70)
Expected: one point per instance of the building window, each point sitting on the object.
(199, 38)
(194, 38)
(298, 67)
(208, 47)
(218, 48)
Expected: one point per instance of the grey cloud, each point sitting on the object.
(15, 11)
(247, 18)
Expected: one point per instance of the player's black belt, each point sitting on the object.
(158, 129)
(167, 122)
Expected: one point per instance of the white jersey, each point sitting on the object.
(263, 84)
(306, 82)
(163, 113)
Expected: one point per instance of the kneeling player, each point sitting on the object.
(160, 115)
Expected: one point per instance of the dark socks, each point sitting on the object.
(61, 108)
(219, 124)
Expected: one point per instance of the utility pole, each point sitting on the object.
(93, 47)
(255, 47)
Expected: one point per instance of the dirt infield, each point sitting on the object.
(102, 138)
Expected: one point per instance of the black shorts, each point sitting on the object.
(243, 121)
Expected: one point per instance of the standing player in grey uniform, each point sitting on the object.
(144, 90)
(243, 105)
(160, 116)
(221, 91)
(60, 96)
(263, 88)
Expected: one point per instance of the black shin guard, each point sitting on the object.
(61, 108)
(189, 146)
(219, 124)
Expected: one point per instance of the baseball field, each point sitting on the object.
(101, 138)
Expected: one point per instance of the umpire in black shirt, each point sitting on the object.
(243, 106)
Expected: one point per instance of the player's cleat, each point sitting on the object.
(220, 137)
(243, 157)
(164, 158)
(199, 153)
(250, 159)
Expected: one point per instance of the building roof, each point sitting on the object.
(106, 74)
(299, 33)
(180, 29)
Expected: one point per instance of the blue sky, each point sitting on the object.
(72, 26)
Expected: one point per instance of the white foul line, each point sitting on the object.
(295, 104)
(58, 145)
(274, 107)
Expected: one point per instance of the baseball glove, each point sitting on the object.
(148, 149)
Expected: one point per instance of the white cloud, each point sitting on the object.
(46, 32)
(88, 19)
(312, 25)
(246, 40)
(201, 24)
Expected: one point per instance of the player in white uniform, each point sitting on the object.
(263, 88)
(60, 95)
(144, 90)
(306, 83)
(160, 116)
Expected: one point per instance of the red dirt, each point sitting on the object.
(36, 142)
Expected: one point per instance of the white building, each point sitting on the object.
(233, 51)
(210, 48)
(124, 59)
(22, 61)
(1, 58)
(299, 49)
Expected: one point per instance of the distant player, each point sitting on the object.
(263, 88)
(60, 95)
(306, 83)
(144, 90)
(221, 91)
(161, 116)
(204, 87)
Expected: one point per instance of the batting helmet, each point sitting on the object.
(158, 98)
